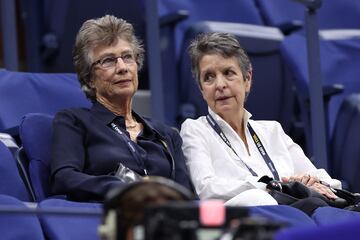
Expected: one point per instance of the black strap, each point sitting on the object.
(130, 145)
(136, 154)
(263, 152)
(257, 141)
(218, 130)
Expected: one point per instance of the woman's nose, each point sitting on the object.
(220, 82)
(121, 66)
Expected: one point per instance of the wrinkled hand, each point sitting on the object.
(305, 179)
(324, 190)
(313, 183)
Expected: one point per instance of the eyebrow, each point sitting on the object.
(110, 54)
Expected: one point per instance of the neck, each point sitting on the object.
(236, 121)
(119, 108)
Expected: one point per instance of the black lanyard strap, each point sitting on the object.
(130, 145)
(218, 130)
(263, 152)
(257, 141)
(136, 154)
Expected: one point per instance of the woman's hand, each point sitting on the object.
(305, 179)
(312, 182)
(324, 190)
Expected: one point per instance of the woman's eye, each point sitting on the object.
(108, 61)
(127, 56)
(208, 77)
(229, 73)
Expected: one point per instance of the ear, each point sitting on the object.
(92, 83)
(248, 81)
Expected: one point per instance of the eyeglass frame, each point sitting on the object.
(123, 55)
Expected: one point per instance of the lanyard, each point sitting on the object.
(135, 153)
(257, 141)
(130, 145)
(263, 153)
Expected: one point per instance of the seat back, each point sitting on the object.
(328, 15)
(22, 93)
(345, 154)
(11, 182)
(204, 10)
(35, 133)
(337, 48)
(14, 225)
(80, 222)
(348, 228)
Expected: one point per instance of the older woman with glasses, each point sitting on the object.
(109, 145)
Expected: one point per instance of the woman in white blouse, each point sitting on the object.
(227, 152)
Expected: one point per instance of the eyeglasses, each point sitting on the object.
(110, 62)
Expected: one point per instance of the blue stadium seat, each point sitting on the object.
(11, 182)
(203, 10)
(339, 58)
(70, 220)
(349, 229)
(345, 153)
(330, 215)
(35, 133)
(17, 225)
(333, 14)
(22, 93)
(291, 216)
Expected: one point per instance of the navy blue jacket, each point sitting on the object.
(86, 153)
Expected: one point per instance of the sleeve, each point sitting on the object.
(68, 161)
(197, 150)
(302, 164)
(181, 173)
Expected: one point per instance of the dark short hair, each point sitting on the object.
(224, 44)
(101, 31)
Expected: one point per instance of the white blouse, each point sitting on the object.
(218, 173)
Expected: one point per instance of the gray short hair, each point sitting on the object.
(224, 44)
(101, 31)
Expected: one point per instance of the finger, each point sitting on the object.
(330, 194)
(285, 179)
(305, 179)
(312, 181)
(295, 178)
(326, 191)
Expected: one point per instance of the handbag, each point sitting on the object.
(291, 192)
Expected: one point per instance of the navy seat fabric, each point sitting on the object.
(333, 14)
(345, 153)
(17, 225)
(22, 93)
(336, 49)
(203, 10)
(349, 229)
(330, 215)
(11, 182)
(80, 222)
(35, 134)
(282, 213)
